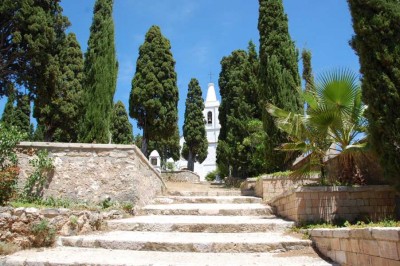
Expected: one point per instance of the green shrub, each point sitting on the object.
(9, 138)
(106, 203)
(211, 176)
(127, 207)
(170, 166)
(34, 186)
(44, 234)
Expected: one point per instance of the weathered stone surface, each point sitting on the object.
(253, 209)
(221, 230)
(206, 199)
(16, 229)
(181, 176)
(88, 172)
(189, 242)
(209, 224)
(95, 257)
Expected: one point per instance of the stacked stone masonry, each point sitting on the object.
(329, 204)
(181, 176)
(268, 187)
(16, 223)
(363, 247)
(94, 172)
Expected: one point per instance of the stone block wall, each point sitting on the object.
(16, 223)
(315, 204)
(363, 247)
(181, 176)
(268, 187)
(94, 172)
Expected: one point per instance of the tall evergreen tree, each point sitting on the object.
(100, 75)
(167, 148)
(279, 75)
(22, 115)
(154, 96)
(67, 104)
(58, 107)
(376, 25)
(308, 75)
(8, 116)
(121, 128)
(239, 109)
(194, 130)
(30, 33)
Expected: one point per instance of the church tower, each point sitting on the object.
(213, 127)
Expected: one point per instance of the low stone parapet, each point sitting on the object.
(94, 172)
(180, 176)
(366, 246)
(337, 203)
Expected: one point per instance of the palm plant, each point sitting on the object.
(333, 121)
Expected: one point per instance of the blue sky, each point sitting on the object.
(201, 32)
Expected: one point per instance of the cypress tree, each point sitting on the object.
(307, 76)
(67, 105)
(22, 115)
(30, 34)
(376, 25)
(121, 128)
(58, 107)
(167, 148)
(279, 76)
(38, 134)
(194, 130)
(8, 116)
(236, 150)
(154, 96)
(100, 76)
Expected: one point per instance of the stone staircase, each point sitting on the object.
(185, 228)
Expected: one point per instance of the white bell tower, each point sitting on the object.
(213, 127)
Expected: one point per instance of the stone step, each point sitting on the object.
(206, 199)
(104, 257)
(206, 193)
(209, 224)
(188, 242)
(246, 209)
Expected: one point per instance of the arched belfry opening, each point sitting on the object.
(209, 117)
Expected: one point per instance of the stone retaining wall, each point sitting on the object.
(16, 223)
(367, 246)
(181, 176)
(268, 187)
(315, 204)
(94, 172)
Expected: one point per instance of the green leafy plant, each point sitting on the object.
(34, 186)
(9, 138)
(106, 203)
(334, 122)
(170, 166)
(211, 176)
(73, 220)
(44, 234)
(127, 207)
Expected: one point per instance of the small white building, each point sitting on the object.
(155, 160)
(213, 127)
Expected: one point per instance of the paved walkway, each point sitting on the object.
(191, 227)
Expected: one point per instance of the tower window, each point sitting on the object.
(209, 117)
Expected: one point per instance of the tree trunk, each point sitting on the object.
(190, 161)
(144, 145)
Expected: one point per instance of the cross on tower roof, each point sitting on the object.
(211, 74)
